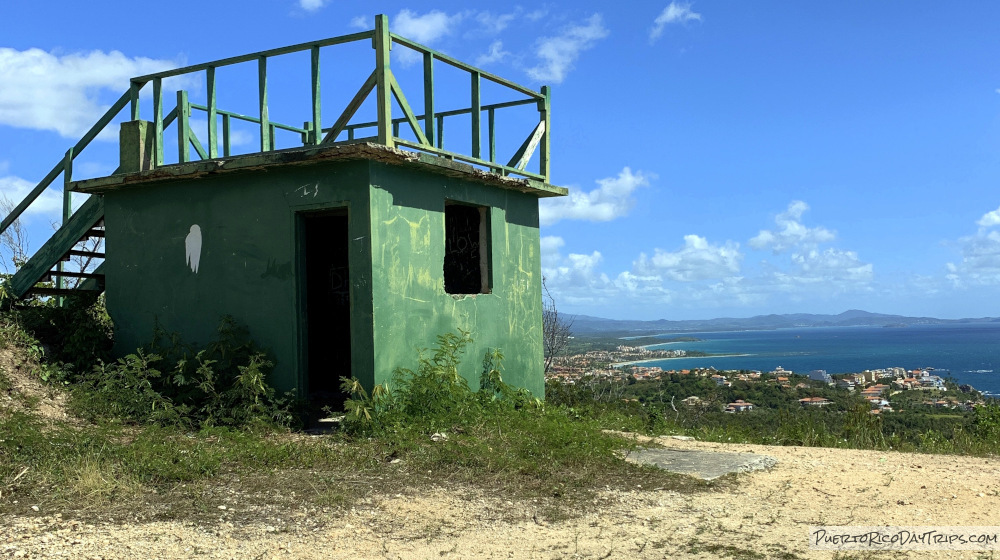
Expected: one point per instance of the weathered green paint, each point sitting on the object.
(251, 264)
(316, 125)
(52, 251)
(135, 146)
(158, 124)
(213, 143)
(429, 96)
(383, 101)
(411, 307)
(183, 127)
(352, 108)
(404, 105)
(265, 128)
(247, 223)
(477, 115)
(546, 114)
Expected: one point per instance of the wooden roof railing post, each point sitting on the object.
(133, 90)
(383, 44)
(213, 140)
(265, 126)
(477, 115)
(183, 124)
(429, 97)
(316, 134)
(545, 108)
(158, 122)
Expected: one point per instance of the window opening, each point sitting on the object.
(467, 249)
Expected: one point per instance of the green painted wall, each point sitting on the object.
(411, 306)
(249, 266)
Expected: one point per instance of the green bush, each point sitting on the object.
(172, 383)
(435, 396)
(75, 337)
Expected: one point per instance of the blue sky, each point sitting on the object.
(724, 158)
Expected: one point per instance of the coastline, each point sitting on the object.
(633, 362)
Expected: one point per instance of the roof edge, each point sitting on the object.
(312, 155)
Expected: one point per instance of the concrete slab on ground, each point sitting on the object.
(706, 465)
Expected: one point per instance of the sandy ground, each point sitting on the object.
(762, 514)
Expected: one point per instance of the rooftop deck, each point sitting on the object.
(195, 135)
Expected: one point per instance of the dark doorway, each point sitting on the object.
(327, 308)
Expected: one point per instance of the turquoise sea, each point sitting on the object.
(969, 352)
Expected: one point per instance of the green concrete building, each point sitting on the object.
(343, 255)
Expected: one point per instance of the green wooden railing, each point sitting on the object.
(427, 127)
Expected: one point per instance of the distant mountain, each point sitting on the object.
(585, 324)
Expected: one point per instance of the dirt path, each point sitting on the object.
(763, 515)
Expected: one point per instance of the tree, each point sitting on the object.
(13, 241)
(556, 329)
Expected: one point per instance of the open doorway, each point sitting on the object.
(327, 308)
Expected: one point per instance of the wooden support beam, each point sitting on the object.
(397, 92)
(524, 153)
(352, 108)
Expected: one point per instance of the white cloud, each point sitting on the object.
(495, 54)
(831, 265)
(494, 24)
(558, 53)
(424, 29)
(14, 189)
(312, 5)
(550, 245)
(980, 262)
(674, 13)
(697, 260)
(990, 219)
(792, 233)
(44, 91)
(363, 23)
(536, 14)
(612, 199)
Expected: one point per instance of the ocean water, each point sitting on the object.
(970, 353)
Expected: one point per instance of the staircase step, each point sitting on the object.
(93, 233)
(76, 253)
(69, 274)
(57, 291)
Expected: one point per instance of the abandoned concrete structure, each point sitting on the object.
(344, 254)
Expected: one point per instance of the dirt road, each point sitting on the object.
(762, 514)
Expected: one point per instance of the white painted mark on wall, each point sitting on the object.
(192, 248)
(305, 189)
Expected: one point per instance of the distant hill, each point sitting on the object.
(585, 324)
